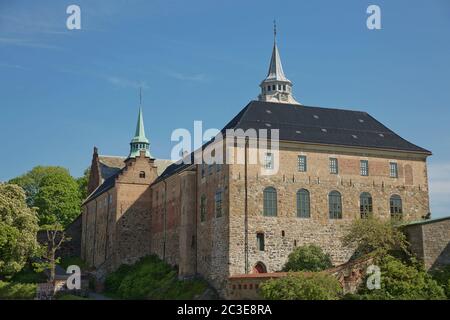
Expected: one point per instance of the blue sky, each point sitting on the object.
(62, 91)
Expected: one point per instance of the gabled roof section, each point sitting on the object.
(110, 165)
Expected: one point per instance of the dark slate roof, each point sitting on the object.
(105, 186)
(314, 125)
(321, 126)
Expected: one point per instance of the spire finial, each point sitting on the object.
(140, 96)
(274, 30)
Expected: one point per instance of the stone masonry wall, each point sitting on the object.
(430, 241)
(317, 229)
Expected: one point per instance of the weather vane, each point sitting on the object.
(274, 30)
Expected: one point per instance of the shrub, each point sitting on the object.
(17, 291)
(402, 281)
(315, 286)
(29, 275)
(151, 278)
(442, 276)
(308, 258)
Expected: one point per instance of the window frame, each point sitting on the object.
(396, 206)
(335, 205)
(270, 205)
(260, 241)
(302, 165)
(218, 204)
(268, 161)
(393, 170)
(365, 209)
(364, 168)
(334, 166)
(303, 211)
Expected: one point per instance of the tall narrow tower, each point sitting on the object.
(276, 87)
(139, 142)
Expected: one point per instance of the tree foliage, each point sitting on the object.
(54, 192)
(301, 286)
(442, 276)
(403, 281)
(375, 236)
(308, 258)
(18, 228)
(83, 183)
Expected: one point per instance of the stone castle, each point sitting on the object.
(222, 220)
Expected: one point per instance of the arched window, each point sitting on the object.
(396, 207)
(365, 205)
(335, 203)
(303, 210)
(270, 202)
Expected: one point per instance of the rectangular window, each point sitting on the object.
(218, 201)
(203, 208)
(333, 166)
(260, 241)
(364, 167)
(393, 172)
(268, 160)
(218, 167)
(210, 169)
(302, 163)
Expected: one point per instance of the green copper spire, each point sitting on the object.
(140, 141)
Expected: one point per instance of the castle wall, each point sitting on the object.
(285, 231)
(430, 241)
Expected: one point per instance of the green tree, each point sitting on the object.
(403, 281)
(301, 286)
(18, 228)
(375, 236)
(308, 258)
(83, 183)
(58, 199)
(32, 180)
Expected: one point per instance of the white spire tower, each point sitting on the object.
(276, 87)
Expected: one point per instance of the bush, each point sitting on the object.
(316, 286)
(151, 278)
(308, 258)
(442, 276)
(29, 275)
(402, 281)
(17, 291)
(374, 236)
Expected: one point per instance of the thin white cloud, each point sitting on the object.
(187, 77)
(12, 66)
(122, 82)
(26, 43)
(112, 79)
(439, 175)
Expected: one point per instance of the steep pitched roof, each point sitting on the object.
(315, 125)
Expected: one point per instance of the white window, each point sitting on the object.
(268, 160)
(393, 170)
